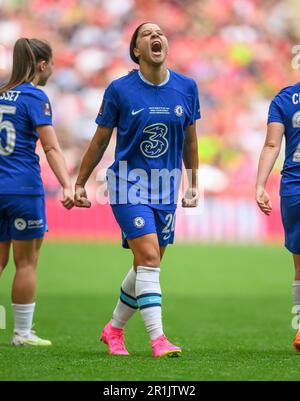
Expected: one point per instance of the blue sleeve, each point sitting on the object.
(109, 111)
(39, 109)
(195, 105)
(275, 113)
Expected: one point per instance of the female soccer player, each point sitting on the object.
(155, 112)
(284, 119)
(25, 117)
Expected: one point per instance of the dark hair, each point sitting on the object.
(133, 43)
(27, 53)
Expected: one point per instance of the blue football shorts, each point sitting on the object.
(22, 217)
(290, 214)
(138, 220)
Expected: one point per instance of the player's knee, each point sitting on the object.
(150, 258)
(26, 264)
(2, 267)
(297, 269)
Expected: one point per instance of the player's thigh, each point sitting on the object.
(26, 252)
(4, 233)
(162, 250)
(296, 258)
(290, 214)
(4, 254)
(4, 220)
(138, 226)
(145, 250)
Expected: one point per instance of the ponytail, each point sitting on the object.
(26, 54)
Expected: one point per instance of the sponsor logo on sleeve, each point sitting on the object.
(296, 120)
(47, 109)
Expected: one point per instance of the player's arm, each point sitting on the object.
(90, 160)
(56, 161)
(191, 161)
(267, 160)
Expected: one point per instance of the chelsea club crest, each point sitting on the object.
(178, 110)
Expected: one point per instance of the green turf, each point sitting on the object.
(228, 307)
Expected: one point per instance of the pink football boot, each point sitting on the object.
(114, 338)
(162, 347)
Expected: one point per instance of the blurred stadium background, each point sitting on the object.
(240, 54)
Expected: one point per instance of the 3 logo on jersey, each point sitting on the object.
(157, 144)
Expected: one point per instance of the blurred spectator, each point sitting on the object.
(239, 52)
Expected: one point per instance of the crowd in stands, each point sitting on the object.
(238, 51)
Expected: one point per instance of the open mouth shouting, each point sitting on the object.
(156, 48)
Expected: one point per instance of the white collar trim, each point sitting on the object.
(152, 84)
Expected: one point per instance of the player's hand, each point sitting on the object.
(263, 201)
(81, 199)
(191, 198)
(67, 201)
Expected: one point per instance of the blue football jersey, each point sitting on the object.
(151, 121)
(285, 109)
(22, 109)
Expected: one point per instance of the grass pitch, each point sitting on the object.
(229, 307)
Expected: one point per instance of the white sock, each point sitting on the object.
(148, 294)
(296, 298)
(23, 315)
(127, 304)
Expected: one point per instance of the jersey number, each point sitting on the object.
(169, 227)
(10, 131)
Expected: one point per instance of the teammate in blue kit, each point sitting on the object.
(284, 120)
(155, 112)
(25, 117)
